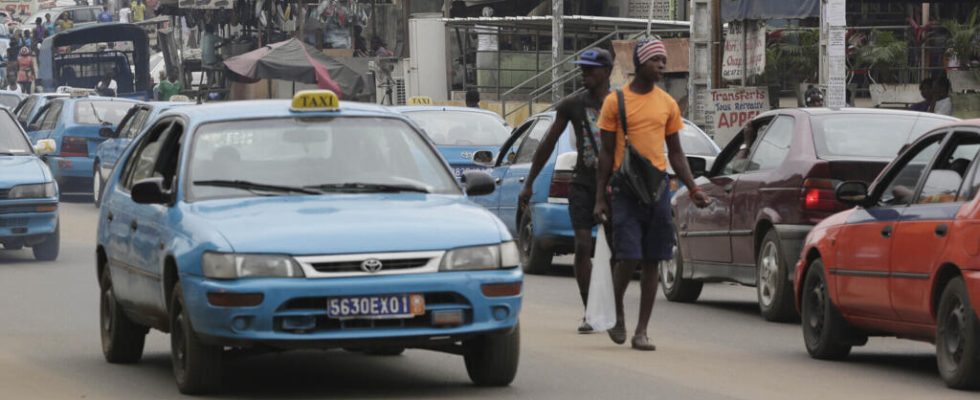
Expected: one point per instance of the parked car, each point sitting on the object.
(10, 100)
(244, 225)
(74, 124)
(904, 262)
(547, 229)
(28, 193)
(137, 119)
(459, 132)
(764, 204)
(32, 104)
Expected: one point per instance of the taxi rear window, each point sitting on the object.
(100, 112)
(461, 128)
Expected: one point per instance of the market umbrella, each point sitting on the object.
(293, 60)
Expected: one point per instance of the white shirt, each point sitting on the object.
(125, 15)
(944, 107)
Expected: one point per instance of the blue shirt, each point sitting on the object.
(105, 16)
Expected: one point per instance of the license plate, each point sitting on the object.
(376, 307)
(460, 170)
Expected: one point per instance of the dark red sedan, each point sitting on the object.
(770, 193)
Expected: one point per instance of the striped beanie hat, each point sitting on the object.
(646, 49)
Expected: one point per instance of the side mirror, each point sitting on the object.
(45, 147)
(107, 132)
(483, 158)
(149, 191)
(699, 166)
(478, 183)
(854, 193)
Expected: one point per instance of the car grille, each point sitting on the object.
(317, 307)
(349, 265)
(13, 222)
(4, 193)
(355, 266)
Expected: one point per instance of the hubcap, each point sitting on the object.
(97, 184)
(668, 271)
(526, 241)
(179, 343)
(107, 309)
(816, 307)
(954, 335)
(768, 268)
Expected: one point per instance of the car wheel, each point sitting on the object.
(48, 249)
(535, 258)
(97, 184)
(824, 328)
(387, 351)
(197, 366)
(122, 339)
(957, 337)
(773, 287)
(676, 287)
(491, 360)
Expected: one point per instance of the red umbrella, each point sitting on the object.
(293, 60)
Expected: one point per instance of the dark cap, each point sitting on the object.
(595, 57)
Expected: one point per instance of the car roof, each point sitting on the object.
(444, 108)
(818, 111)
(252, 109)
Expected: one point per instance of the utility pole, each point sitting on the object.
(701, 61)
(557, 45)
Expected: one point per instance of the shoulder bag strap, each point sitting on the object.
(621, 102)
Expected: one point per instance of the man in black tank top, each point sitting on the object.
(581, 110)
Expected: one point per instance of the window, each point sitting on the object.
(461, 128)
(509, 155)
(946, 177)
(50, 120)
(25, 110)
(132, 126)
(101, 112)
(868, 135)
(773, 148)
(11, 139)
(530, 144)
(142, 162)
(902, 188)
(695, 142)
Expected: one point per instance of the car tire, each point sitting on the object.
(958, 338)
(535, 258)
(384, 351)
(676, 287)
(774, 290)
(48, 249)
(97, 186)
(824, 329)
(492, 359)
(197, 366)
(122, 339)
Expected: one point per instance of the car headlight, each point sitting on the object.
(37, 190)
(504, 255)
(232, 266)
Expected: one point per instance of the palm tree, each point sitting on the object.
(882, 53)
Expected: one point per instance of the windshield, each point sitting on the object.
(100, 112)
(868, 135)
(461, 128)
(695, 142)
(319, 154)
(9, 100)
(12, 141)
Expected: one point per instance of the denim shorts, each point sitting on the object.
(641, 232)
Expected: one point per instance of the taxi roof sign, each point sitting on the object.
(419, 101)
(315, 100)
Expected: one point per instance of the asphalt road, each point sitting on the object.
(718, 348)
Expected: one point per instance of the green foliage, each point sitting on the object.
(882, 53)
(964, 38)
(794, 57)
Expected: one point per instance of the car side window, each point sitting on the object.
(773, 147)
(942, 184)
(901, 190)
(25, 109)
(142, 161)
(136, 124)
(169, 156)
(526, 153)
(509, 154)
(50, 120)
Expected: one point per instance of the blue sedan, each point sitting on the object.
(460, 132)
(74, 123)
(29, 107)
(116, 140)
(547, 229)
(309, 224)
(28, 194)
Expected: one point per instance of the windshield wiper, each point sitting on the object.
(96, 112)
(247, 185)
(370, 187)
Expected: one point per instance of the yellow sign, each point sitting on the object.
(419, 101)
(315, 100)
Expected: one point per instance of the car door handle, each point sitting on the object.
(728, 188)
(521, 179)
(887, 232)
(941, 230)
(496, 180)
(109, 217)
(133, 225)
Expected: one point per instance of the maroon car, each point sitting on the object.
(767, 197)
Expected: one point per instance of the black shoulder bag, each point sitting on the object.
(636, 173)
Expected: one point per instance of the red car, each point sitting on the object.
(906, 261)
(767, 197)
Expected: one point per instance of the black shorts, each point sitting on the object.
(581, 204)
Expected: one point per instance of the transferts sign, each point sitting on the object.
(732, 108)
(315, 100)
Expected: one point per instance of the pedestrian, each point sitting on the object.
(209, 51)
(126, 13)
(40, 32)
(379, 49)
(925, 90)
(107, 86)
(25, 70)
(105, 15)
(49, 25)
(139, 10)
(170, 86)
(813, 97)
(643, 234)
(473, 98)
(940, 94)
(162, 76)
(27, 39)
(12, 84)
(581, 110)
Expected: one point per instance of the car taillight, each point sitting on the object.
(819, 195)
(561, 183)
(72, 146)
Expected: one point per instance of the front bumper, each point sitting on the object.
(70, 167)
(287, 298)
(21, 220)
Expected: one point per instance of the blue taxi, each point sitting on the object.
(303, 224)
(28, 193)
(460, 132)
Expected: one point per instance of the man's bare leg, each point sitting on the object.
(622, 275)
(583, 269)
(648, 294)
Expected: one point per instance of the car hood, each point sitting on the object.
(17, 170)
(350, 223)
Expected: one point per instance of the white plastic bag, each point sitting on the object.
(600, 309)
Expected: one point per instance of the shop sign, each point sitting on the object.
(731, 109)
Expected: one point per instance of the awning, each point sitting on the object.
(737, 10)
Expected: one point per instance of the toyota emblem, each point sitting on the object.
(372, 265)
